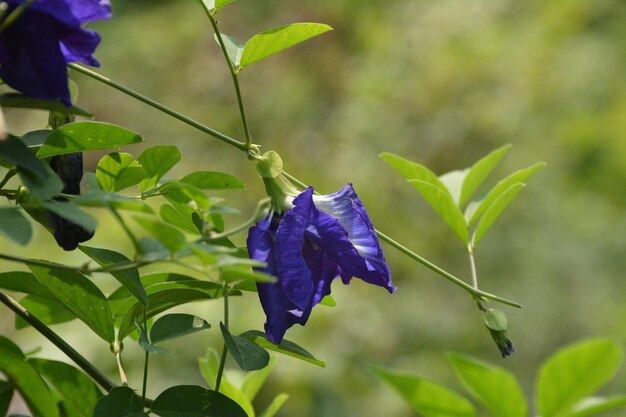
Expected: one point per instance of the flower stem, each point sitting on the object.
(71, 353)
(218, 135)
(475, 292)
(10, 174)
(145, 362)
(470, 253)
(242, 146)
(260, 205)
(220, 371)
(233, 73)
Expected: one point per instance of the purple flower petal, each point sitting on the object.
(79, 47)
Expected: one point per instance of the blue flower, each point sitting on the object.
(307, 246)
(36, 48)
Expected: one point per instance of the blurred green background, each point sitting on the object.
(441, 83)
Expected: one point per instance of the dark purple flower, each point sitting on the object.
(318, 239)
(36, 48)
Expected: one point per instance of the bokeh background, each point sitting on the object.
(442, 83)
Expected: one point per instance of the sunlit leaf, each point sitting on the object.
(70, 211)
(575, 372)
(179, 215)
(118, 171)
(234, 49)
(285, 347)
(172, 326)
(274, 406)
(22, 281)
(86, 136)
(105, 199)
(477, 208)
(428, 398)
(592, 406)
(443, 204)
(274, 40)
(494, 211)
(47, 311)
(80, 296)
(454, 182)
(495, 387)
(479, 172)
(254, 380)
(15, 226)
(156, 162)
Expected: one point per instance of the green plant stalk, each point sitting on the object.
(69, 351)
(233, 73)
(220, 371)
(260, 205)
(176, 115)
(145, 362)
(241, 146)
(10, 174)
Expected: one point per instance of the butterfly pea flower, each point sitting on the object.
(37, 46)
(307, 241)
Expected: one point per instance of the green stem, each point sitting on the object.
(260, 205)
(129, 232)
(470, 253)
(145, 362)
(233, 73)
(241, 146)
(218, 135)
(10, 174)
(220, 371)
(473, 291)
(15, 14)
(82, 269)
(71, 353)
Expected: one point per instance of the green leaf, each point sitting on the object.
(36, 175)
(47, 311)
(36, 138)
(118, 171)
(592, 406)
(428, 398)
(495, 210)
(575, 372)
(248, 355)
(442, 203)
(6, 394)
(172, 238)
(80, 296)
(242, 273)
(328, 301)
(454, 182)
(183, 193)
(105, 199)
(74, 386)
(285, 347)
(479, 172)
(26, 380)
(156, 162)
(495, 387)
(179, 215)
(15, 226)
(476, 209)
(172, 326)
(158, 302)
(274, 40)
(214, 5)
(144, 342)
(234, 49)
(275, 405)
(149, 280)
(194, 401)
(209, 180)
(209, 366)
(128, 278)
(86, 136)
(21, 101)
(69, 211)
(25, 282)
(120, 402)
(413, 171)
(254, 380)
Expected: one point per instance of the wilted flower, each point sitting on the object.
(308, 243)
(36, 48)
